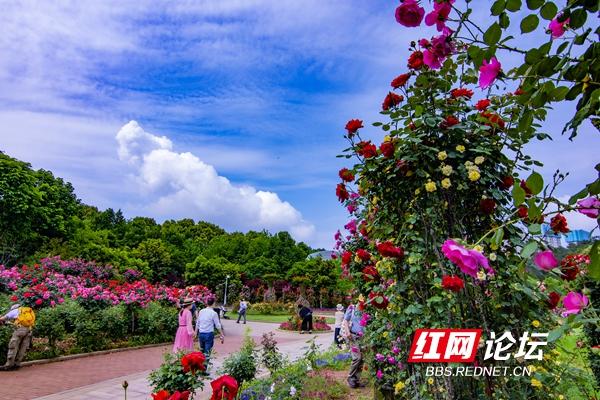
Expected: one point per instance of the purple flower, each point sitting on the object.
(488, 72)
(574, 302)
(545, 260)
(589, 207)
(391, 360)
(379, 374)
(380, 357)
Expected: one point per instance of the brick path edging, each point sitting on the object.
(90, 354)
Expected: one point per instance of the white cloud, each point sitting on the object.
(180, 184)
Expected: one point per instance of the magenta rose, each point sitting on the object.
(574, 302)
(488, 72)
(409, 13)
(589, 207)
(557, 28)
(439, 15)
(469, 261)
(545, 260)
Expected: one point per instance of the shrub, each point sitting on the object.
(242, 365)
(114, 322)
(158, 323)
(270, 356)
(50, 324)
(71, 312)
(88, 334)
(171, 377)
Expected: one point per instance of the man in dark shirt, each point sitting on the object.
(307, 319)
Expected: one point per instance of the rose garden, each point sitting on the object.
(446, 212)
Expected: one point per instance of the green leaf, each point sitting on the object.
(535, 183)
(559, 93)
(498, 7)
(492, 35)
(534, 4)
(579, 195)
(594, 267)
(533, 56)
(535, 229)
(562, 47)
(518, 195)
(529, 23)
(529, 249)
(476, 55)
(513, 5)
(526, 120)
(577, 18)
(548, 11)
(498, 236)
(504, 20)
(556, 333)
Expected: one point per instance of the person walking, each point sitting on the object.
(206, 324)
(307, 319)
(184, 338)
(339, 319)
(354, 332)
(23, 319)
(242, 310)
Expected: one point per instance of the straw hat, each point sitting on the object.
(187, 301)
(339, 307)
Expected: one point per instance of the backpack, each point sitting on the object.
(26, 317)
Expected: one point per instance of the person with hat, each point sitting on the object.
(184, 338)
(339, 318)
(23, 319)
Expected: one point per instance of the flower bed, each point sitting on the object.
(294, 323)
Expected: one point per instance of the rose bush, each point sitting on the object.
(458, 197)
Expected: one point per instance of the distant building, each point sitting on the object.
(574, 237)
(324, 254)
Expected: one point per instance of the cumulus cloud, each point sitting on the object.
(181, 185)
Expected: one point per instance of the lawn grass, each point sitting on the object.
(273, 318)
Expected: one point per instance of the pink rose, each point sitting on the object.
(574, 302)
(589, 207)
(379, 374)
(488, 72)
(545, 260)
(409, 13)
(469, 261)
(557, 28)
(439, 15)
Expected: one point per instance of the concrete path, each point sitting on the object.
(101, 377)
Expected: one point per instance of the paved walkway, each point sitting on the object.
(101, 377)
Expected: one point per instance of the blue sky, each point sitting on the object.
(250, 96)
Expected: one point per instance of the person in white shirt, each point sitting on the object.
(339, 318)
(206, 324)
(242, 310)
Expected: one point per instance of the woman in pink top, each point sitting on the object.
(184, 339)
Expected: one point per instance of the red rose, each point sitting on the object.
(341, 192)
(224, 388)
(453, 283)
(346, 257)
(363, 255)
(495, 121)
(461, 92)
(13, 298)
(346, 175)
(193, 362)
(391, 100)
(387, 149)
(522, 212)
(370, 273)
(161, 395)
(353, 125)
(518, 92)
(39, 302)
(378, 300)
(28, 295)
(180, 395)
(553, 300)
(558, 223)
(449, 121)
(400, 80)
(366, 149)
(524, 186)
(387, 249)
(487, 206)
(415, 60)
(570, 272)
(410, 14)
(482, 105)
(402, 165)
(507, 182)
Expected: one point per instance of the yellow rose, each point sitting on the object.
(387, 138)
(385, 334)
(447, 170)
(532, 368)
(469, 164)
(535, 323)
(536, 383)
(478, 248)
(479, 160)
(474, 175)
(417, 191)
(446, 183)
(398, 387)
(430, 381)
(442, 155)
(493, 257)
(430, 186)
(460, 148)
(481, 276)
